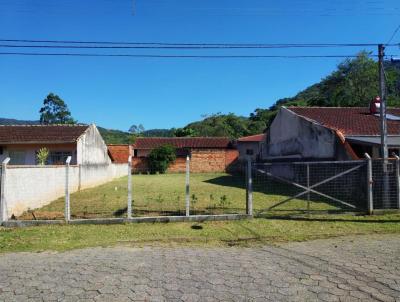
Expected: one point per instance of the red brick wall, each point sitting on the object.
(202, 160)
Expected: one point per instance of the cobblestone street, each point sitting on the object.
(343, 269)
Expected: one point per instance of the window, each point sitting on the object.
(249, 151)
(135, 153)
(17, 157)
(1, 150)
(58, 157)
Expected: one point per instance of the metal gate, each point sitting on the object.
(311, 187)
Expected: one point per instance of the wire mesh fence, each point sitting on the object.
(274, 188)
(385, 185)
(309, 187)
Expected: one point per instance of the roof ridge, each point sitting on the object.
(183, 137)
(42, 125)
(336, 107)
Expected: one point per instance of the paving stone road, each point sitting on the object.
(365, 268)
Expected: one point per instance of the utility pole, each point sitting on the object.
(384, 146)
(382, 95)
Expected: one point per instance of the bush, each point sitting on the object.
(160, 158)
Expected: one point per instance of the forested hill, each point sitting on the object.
(11, 121)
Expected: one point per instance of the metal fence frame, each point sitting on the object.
(307, 190)
(130, 209)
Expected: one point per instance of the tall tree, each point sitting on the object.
(55, 111)
(136, 129)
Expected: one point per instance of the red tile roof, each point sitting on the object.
(349, 120)
(41, 133)
(252, 138)
(119, 153)
(182, 142)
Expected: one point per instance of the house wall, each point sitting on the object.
(30, 187)
(202, 160)
(244, 146)
(91, 148)
(291, 136)
(31, 149)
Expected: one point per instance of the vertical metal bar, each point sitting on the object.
(3, 202)
(308, 187)
(67, 200)
(397, 179)
(129, 207)
(187, 196)
(369, 185)
(249, 189)
(383, 122)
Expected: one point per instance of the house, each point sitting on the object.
(329, 133)
(251, 146)
(208, 154)
(82, 142)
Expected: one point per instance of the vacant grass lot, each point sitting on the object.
(210, 193)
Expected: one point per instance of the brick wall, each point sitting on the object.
(202, 160)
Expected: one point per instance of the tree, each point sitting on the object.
(55, 111)
(184, 132)
(160, 158)
(136, 129)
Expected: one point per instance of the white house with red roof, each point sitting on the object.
(251, 146)
(82, 142)
(329, 133)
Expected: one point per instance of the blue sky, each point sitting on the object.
(163, 93)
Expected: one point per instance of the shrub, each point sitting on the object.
(42, 156)
(160, 158)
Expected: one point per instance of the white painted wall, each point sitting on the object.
(91, 148)
(291, 136)
(30, 187)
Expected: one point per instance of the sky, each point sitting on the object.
(116, 92)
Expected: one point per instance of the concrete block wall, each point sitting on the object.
(30, 187)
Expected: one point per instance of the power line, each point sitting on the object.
(164, 47)
(393, 35)
(221, 45)
(179, 56)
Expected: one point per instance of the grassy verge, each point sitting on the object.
(243, 233)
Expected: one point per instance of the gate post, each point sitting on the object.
(129, 206)
(397, 179)
(369, 185)
(187, 193)
(67, 213)
(3, 202)
(249, 188)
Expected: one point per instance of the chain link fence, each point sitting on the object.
(310, 187)
(385, 184)
(251, 188)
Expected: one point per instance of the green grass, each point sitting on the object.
(153, 195)
(243, 233)
(213, 194)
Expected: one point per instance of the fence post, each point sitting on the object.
(308, 188)
(249, 189)
(187, 196)
(67, 204)
(3, 202)
(129, 207)
(397, 179)
(369, 185)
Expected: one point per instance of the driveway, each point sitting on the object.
(343, 269)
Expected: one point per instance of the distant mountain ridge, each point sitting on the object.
(11, 121)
